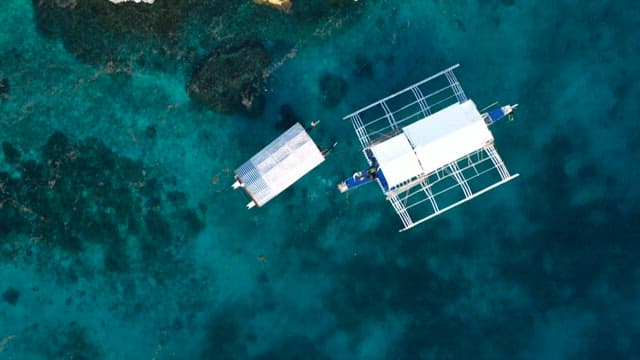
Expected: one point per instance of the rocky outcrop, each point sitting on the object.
(230, 79)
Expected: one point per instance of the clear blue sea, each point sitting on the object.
(120, 236)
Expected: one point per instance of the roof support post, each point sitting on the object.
(422, 101)
(455, 85)
(358, 126)
(497, 161)
(455, 170)
(401, 210)
(389, 115)
(429, 193)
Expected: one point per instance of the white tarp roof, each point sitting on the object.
(432, 142)
(397, 160)
(279, 164)
(448, 135)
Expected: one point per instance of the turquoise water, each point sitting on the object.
(121, 239)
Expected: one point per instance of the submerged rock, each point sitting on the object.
(4, 89)
(98, 31)
(11, 296)
(230, 80)
(11, 154)
(82, 192)
(332, 89)
(72, 342)
(363, 67)
(288, 117)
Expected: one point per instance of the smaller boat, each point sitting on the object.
(280, 164)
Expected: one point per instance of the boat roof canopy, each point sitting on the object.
(397, 159)
(279, 164)
(431, 143)
(448, 135)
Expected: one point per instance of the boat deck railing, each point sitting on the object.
(406, 106)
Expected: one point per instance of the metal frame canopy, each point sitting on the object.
(431, 148)
(278, 165)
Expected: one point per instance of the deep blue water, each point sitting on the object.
(120, 237)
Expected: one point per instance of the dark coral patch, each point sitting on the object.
(230, 79)
(288, 117)
(4, 89)
(332, 89)
(11, 296)
(11, 154)
(223, 339)
(81, 192)
(363, 67)
(72, 342)
(102, 32)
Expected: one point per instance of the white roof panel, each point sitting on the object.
(279, 164)
(397, 160)
(448, 135)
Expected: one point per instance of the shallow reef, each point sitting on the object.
(11, 154)
(332, 89)
(81, 192)
(98, 31)
(218, 43)
(230, 79)
(4, 89)
(292, 348)
(11, 296)
(71, 343)
(288, 117)
(363, 67)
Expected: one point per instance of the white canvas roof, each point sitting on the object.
(397, 160)
(279, 164)
(432, 142)
(448, 135)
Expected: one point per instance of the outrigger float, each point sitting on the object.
(428, 147)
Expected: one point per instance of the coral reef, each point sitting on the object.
(223, 338)
(4, 89)
(332, 89)
(363, 67)
(11, 154)
(11, 296)
(71, 343)
(294, 347)
(171, 35)
(97, 31)
(82, 192)
(288, 117)
(319, 11)
(230, 79)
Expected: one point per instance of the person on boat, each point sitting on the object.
(326, 151)
(372, 172)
